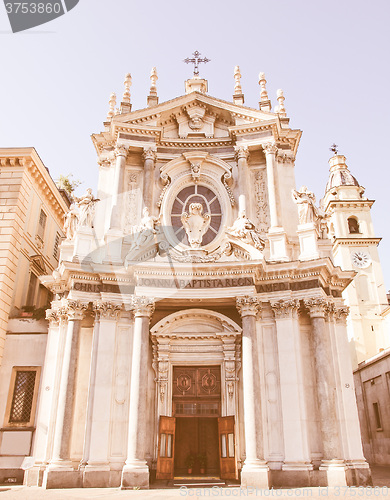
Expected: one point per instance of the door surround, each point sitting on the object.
(196, 337)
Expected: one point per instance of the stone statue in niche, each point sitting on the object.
(245, 230)
(80, 214)
(195, 224)
(307, 210)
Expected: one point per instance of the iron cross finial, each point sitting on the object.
(196, 60)
(334, 148)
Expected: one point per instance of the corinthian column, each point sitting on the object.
(326, 392)
(242, 155)
(73, 311)
(296, 448)
(270, 150)
(135, 473)
(120, 154)
(149, 161)
(255, 470)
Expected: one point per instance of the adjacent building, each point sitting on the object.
(31, 220)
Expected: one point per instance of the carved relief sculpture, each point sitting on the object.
(195, 224)
(80, 214)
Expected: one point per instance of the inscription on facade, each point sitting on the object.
(201, 283)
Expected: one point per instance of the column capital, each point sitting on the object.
(317, 306)
(248, 305)
(53, 316)
(269, 148)
(121, 150)
(149, 154)
(106, 310)
(341, 313)
(242, 152)
(73, 309)
(143, 306)
(285, 308)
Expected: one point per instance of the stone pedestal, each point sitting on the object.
(278, 244)
(135, 473)
(83, 244)
(335, 471)
(308, 241)
(255, 471)
(113, 246)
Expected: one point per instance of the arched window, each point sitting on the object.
(353, 225)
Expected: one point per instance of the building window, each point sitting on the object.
(56, 245)
(378, 421)
(32, 286)
(42, 224)
(22, 396)
(353, 225)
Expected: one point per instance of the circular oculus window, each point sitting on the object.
(210, 203)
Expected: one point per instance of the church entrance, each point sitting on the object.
(196, 440)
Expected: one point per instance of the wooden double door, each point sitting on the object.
(180, 437)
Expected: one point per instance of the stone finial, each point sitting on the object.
(238, 96)
(265, 103)
(152, 97)
(281, 110)
(112, 103)
(126, 93)
(126, 100)
(237, 79)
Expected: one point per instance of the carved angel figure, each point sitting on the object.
(86, 206)
(148, 222)
(245, 230)
(195, 224)
(305, 199)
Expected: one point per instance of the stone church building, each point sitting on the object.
(199, 320)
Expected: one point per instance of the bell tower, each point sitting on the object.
(355, 247)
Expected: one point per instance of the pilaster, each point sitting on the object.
(242, 156)
(297, 463)
(97, 471)
(332, 464)
(149, 156)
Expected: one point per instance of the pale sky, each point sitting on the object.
(331, 58)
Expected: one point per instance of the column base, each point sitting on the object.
(62, 478)
(335, 472)
(96, 476)
(135, 475)
(294, 475)
(278, 244)
(358, 473)
(255, 475)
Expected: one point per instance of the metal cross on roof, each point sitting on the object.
(196, 60)
(334, 148)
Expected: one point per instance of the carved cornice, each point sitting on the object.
(106, 310)
(317, 307)
(248, 305)
(285, 308)
(269, 148)
(142, 306)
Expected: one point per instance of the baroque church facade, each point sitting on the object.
(199, 314)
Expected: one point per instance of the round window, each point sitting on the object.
(210, 204)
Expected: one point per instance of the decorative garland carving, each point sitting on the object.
(226, 177)
(261, 201)
(131, 200)
(166, 181)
